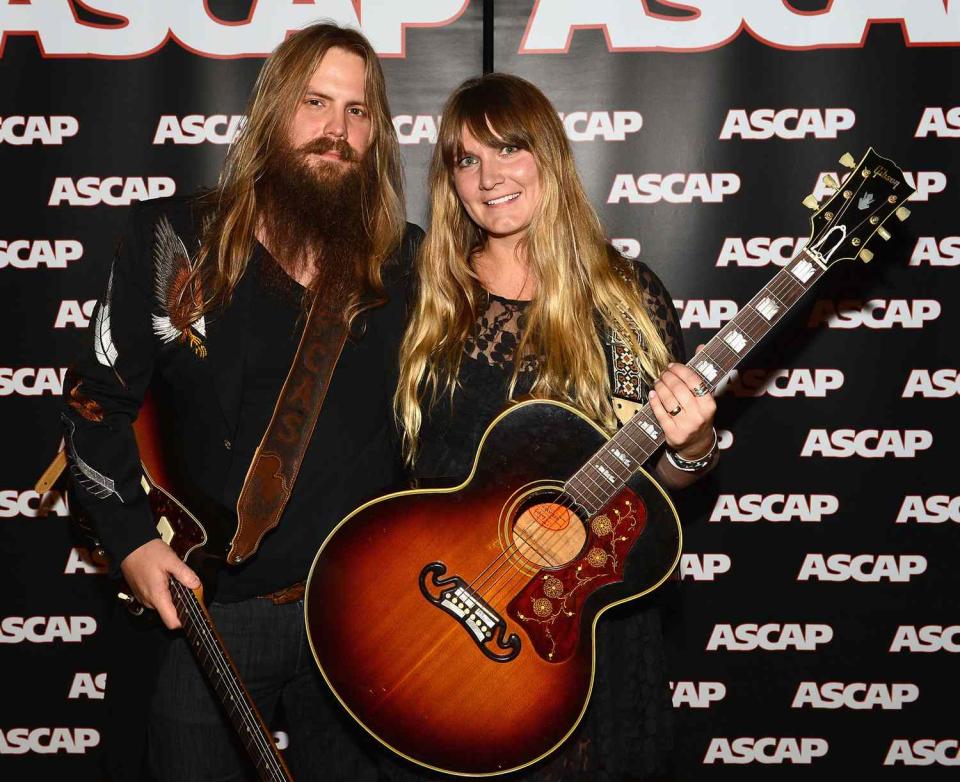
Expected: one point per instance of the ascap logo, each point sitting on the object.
(73, 313)
(140, 29)
(30, 381)
(89, 686)
(46, 629)
(874, 313)
(771, 637)
(610, 126)
(31, 254)
(198, 129)
(926, 638)
(704, 313)
(703, 567)
(760, 250)
(416, 129)
(78, 561)
(937, 121)
(786, 123)
(865, 568)
(112, 191)
(628, 248)
(32, 505)
(868, 444)
(774, 507)
(945, 252)
(48, 741)
(697, 695)
(630, 27)
(929, 510)
(578, 125)
(20, 131)
(673, 188)
(926, 184)
(923, 752)
(781, 382)
(855, 695)
(767, 750)
(939, 384)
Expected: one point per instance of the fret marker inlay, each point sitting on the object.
(767, 308)
(621, 457)
(650, 430)
(803, 270)
(605, 472)
(735, 340)
(708, 370)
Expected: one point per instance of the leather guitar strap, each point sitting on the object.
(277, 460)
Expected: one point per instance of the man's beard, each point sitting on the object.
(314, 216)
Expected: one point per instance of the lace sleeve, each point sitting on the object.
(661, 310)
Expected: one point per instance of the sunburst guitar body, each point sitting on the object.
(457, 625)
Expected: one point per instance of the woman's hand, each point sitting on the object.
(685, 417)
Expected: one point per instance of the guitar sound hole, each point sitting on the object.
(548, 534)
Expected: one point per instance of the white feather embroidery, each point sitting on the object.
(103, 346)
(93, 481)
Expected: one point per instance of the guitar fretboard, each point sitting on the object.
(609, 469)
(223, 676)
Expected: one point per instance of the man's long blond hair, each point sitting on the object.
(231, 207)
(581, 282)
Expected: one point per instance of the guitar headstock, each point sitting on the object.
(845, 225)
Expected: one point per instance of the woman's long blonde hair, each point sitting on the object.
(231, 208)
(581, 280)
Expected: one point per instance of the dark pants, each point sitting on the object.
(191, 739)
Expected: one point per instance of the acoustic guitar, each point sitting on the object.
(457, 625)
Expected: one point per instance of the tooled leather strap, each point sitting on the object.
(275, 464)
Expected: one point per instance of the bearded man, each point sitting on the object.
(205, 305)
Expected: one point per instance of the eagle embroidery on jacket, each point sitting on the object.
(172, 272)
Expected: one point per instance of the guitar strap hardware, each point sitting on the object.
(276, 462)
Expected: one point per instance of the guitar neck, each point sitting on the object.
(212, 656)
(609, 469)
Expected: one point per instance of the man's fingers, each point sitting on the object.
(164, 606)
(183, 573)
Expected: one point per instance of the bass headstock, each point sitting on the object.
(844, 226)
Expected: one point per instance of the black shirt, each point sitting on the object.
(353, 454)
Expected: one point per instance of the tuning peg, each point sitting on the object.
(865, 255)
(848, 161)
(830, 182)
(902, 213)
(883, 233)
(811, 202)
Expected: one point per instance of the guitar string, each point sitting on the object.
(201, 625)
(777, 288)
(774, 287)
(254, 729)
(252, 725)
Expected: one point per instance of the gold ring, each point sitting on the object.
(700, 390)
(675, 411)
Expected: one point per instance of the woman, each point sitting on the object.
(518, 293)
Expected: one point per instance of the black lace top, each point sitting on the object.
(627, 731)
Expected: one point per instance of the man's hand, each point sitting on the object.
(148, 569)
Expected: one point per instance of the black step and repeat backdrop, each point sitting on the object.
(814, 625)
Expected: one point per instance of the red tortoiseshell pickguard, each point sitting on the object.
(549, 607)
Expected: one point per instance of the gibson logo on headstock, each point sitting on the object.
(881, 171)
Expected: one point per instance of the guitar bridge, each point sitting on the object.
(482, 623)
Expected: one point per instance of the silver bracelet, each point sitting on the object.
(694, 465)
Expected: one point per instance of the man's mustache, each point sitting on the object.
(326, 143)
